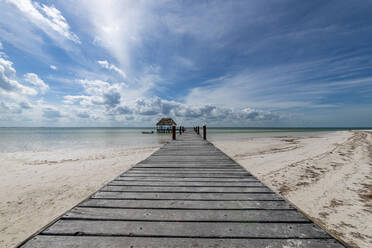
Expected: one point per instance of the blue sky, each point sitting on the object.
(224, 63)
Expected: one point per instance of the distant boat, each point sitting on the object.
(148, 132)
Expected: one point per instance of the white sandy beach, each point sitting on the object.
(37, 187)
(328, 177)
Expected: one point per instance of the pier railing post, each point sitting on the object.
(173, 132)
(198, 130)
(204, 132)
(180, 129)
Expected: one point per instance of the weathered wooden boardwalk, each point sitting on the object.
(187, 194)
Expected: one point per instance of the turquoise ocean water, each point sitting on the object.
(48, 139)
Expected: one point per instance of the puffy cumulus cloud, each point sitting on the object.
(34, 79)
(8, 81)
(107, 102)
(51, 113)
(111, 98)
(98, 93)
(107, 105)
(10, 108)
(123, 110)
(94, 87)
(47, 18)
(159, 107)
(105, 64)
(257, 115)
(154, 106)
(206, 112)
(19, 99)
(82, 100)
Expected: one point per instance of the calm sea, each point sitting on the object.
(48, 139)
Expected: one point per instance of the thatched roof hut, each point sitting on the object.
(166, 122)
(165, 125)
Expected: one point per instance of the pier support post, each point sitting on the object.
(180, 129)
(173, 132)
(204, 132)
(198, 130)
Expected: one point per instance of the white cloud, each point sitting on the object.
(8, 80)
(82, 100)
(94, 87)
(53, 67)
(1, 46)
(108, 102)
(98, 93)
(47, 18)
(157, 107)
(34, 79)
(16, 96)
(105, 64)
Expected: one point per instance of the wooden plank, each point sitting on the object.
(178, 165)
(186, 183)
(188, 150)
(174, 175)
(187, 229)
(146, 242)
(195, 161)
(189, 159)
(186, 204)
(189, 154)
(115, 188)
(186, 215)
(188, 196)
(189, 168)
(187, 171)
(192, 179)
(188, 162)
(180, 151)
(187, 174)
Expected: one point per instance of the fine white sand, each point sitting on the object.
(37, 187)
(328, 177)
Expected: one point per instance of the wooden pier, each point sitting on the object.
(186, 194)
